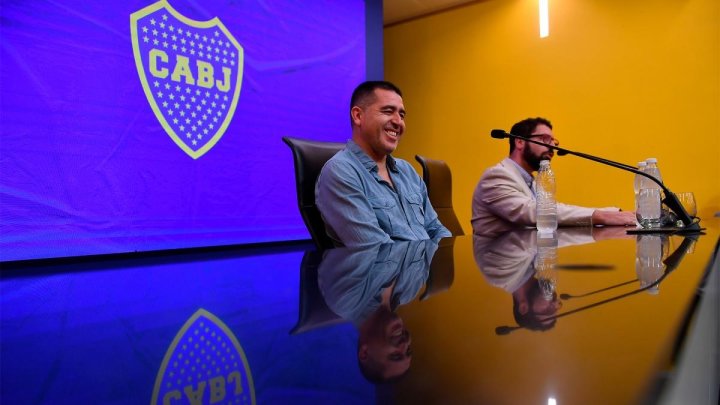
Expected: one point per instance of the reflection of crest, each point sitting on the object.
(204, 364)
(191, 72)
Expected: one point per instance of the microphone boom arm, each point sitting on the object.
(670, 200)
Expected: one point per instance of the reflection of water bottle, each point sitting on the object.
(649, 212)
(546, 206)
(649, 264)
(545, 261)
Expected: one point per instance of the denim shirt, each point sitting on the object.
(359, 208)
(352, 279)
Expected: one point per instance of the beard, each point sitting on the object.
(533, 160)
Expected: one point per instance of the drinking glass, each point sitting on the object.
(687, 199)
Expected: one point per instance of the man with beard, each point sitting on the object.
(504, 197)
(366, 196)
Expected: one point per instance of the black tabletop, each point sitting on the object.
(586, 316)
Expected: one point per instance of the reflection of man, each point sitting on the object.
(365, 195)
(508, 261)
(384, 352)
(504, 197)
(532, 309)
(366, 286)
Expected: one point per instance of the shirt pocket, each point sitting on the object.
(384, 208)
(415, 202)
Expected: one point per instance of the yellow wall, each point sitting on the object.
(621, 79)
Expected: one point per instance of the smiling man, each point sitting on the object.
(365, 195)
(504, 198)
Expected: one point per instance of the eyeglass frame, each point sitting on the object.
(552, 140)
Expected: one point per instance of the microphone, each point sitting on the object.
(500, 134)
(670, 200)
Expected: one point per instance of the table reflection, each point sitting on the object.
(651, 251)
(122, 321)
(524, 263)
(366, 286)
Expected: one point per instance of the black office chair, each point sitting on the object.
(313, 311)
(309, 158)
(442, 269)
(438, 180)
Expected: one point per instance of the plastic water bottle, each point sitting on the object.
(653, 169)
(546, 206)
(649, 209)
(639, 178)
(666, 218)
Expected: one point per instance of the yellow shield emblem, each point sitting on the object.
(191, 72)
(204, 364)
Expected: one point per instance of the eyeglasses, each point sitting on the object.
(546, 138)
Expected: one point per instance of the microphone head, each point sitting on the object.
(498, 134)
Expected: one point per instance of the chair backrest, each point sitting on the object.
(442, 269)
(313, 312)
(438, 181)
(309, 158)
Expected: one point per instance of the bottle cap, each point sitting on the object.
(544, 163)
(651, 160)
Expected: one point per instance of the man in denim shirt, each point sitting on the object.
(365, 195)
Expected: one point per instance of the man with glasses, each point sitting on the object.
(505, 195)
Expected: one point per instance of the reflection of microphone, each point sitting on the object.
(568, 296)
(671, 200)
(671, 263)
(504, 330)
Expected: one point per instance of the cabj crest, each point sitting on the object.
(191, 72)
(204, 364)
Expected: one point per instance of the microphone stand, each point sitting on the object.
(671, 263)
(670, 200)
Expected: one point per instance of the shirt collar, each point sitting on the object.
(525, 175)
(366, 160)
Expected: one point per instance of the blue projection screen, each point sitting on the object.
(140, 125)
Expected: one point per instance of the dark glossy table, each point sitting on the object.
(613, 337)
(232, 326)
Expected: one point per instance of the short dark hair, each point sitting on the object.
(364, 93)
(526, 127)
(531, 320)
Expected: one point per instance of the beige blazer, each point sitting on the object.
(502, 201)
(506, 260)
